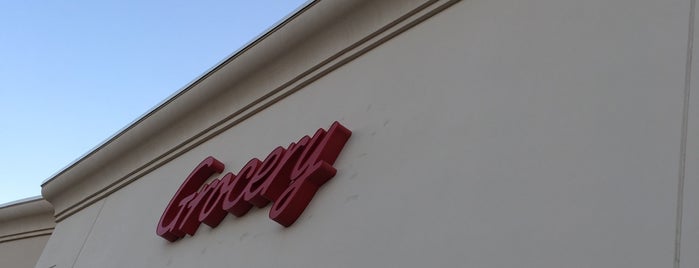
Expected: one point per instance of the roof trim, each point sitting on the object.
(185, 88)
(25, 207)
(21, 201)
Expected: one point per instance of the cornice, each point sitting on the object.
(78, 186)
(25, 235)
(24, 208)
(26, 218)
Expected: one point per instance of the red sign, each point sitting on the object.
(288, 177)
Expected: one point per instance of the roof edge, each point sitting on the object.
(25, 207)
(183, 89)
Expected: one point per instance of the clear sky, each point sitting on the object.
(73, 73)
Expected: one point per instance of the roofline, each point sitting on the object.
(280, 23)
(21, 201)
(25, 207)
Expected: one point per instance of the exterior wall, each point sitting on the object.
(23, 252)
(689, 236)
(68, 240)
(25, 226)
(520, 133)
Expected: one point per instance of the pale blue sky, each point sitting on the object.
(73, 73)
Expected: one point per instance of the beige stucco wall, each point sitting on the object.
(521, 133)
(23, 252)
(25, 227)
(690, 216)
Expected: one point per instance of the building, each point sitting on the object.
(25, 226)
(498, 133)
